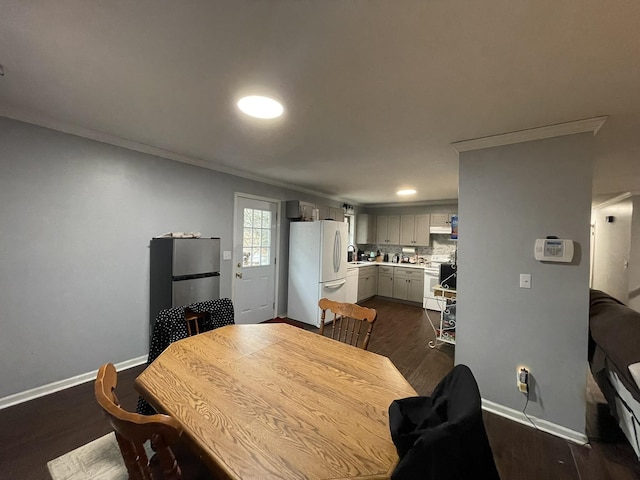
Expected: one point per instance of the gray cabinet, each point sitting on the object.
(408, 284)
(385, 281)
(440, 223)
(414, 230)
(334, 213)
(388, 229)
(297, 210)
(367, 282)
(365, 229)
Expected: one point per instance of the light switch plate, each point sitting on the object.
(525, 280)
(226, 255)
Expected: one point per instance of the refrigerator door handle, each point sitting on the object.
(339, 252)
(335, 247)
(336, 251)
(335, 284)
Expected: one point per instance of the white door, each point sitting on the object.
(254, 259)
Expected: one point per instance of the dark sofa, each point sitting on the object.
(614, 346)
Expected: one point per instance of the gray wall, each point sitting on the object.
(76, 220)
(509, 196)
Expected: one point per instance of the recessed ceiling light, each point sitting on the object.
(408, 191)
(260, 107)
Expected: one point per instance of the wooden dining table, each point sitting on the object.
(276, 401)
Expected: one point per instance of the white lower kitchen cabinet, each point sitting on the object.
(408, 284)
(352, 285)
(367, 282)
(385, 281)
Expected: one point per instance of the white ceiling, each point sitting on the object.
(375, 91)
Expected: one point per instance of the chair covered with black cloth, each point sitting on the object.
(442, 437)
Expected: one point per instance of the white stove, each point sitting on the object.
(431, 280)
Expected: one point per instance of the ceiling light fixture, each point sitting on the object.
(408, 191)
(260, 107)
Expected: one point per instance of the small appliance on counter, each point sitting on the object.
(408, 255)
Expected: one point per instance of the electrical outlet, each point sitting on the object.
(522, 379)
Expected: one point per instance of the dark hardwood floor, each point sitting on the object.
(35, 432)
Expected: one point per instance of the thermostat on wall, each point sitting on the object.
(554, 250)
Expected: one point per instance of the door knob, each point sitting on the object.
(239, 275)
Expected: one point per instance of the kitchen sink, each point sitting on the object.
(358, 263)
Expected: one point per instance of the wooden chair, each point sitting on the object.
(133, 430)
(193, 318)
(350, 319)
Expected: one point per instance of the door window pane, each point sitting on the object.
(256, 238)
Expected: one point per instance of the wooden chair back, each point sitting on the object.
(351, 321)
(194, 320)
(132, 430)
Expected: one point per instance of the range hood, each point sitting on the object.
(440, 229)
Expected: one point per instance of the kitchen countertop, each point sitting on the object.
(386, 264)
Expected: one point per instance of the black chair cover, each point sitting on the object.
(442, 437)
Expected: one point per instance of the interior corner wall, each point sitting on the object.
(76, 220)
(508, 197)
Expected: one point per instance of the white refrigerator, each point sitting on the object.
(317, 267)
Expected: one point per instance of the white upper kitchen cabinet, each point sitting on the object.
(337, 213)
(330, 213)
(324, 212)
(440, 219)
(414, 230)
(299, 210)
(388, 229)
(440, 223)
(365, 228)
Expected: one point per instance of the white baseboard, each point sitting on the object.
(534, 422)
(50, 388)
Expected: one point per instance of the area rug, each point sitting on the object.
(97, 460)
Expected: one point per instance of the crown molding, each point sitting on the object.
(103, 137)
(611, 201)
(424, 203)
(539, 133)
